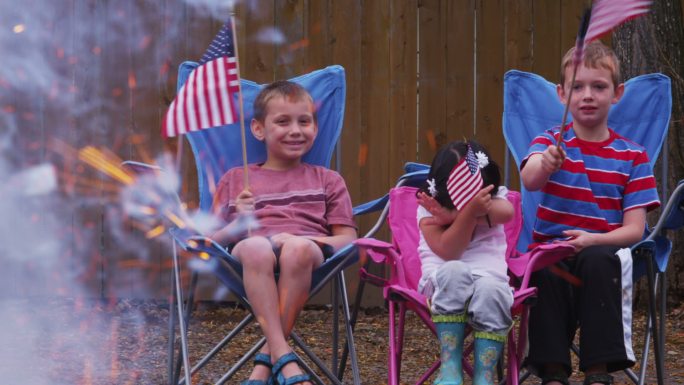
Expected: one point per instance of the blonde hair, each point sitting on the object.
(291, 91)
(596, 55)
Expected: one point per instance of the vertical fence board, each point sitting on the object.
(460, 63)
(402, 93)
(546, 38)
(257, 56)
(431, 78)
(375, 108)
(290, 58)
(316, 43)
(490, 70)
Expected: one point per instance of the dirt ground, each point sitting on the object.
(125, 342)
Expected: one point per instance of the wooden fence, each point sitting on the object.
(419, 73)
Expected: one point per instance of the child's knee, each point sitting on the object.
(454, 273)
(299, 253)
(255, 252)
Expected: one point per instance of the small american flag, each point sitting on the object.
(465, 180)
(206, 99)
(607, 14)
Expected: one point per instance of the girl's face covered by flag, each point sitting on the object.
(288, 131)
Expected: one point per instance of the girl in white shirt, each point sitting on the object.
(462, 249)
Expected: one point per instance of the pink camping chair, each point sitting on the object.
(400, 289)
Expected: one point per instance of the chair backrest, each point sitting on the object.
(405, 236)
(218, 149)
(531, 106)
(404, 228)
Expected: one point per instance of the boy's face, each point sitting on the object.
(592, 96)
(288, 131)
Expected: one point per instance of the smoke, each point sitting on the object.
(74, 73)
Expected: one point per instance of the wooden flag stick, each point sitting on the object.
(576, 62)
(242, 113)
(559, 142)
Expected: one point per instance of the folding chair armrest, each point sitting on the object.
(411, 167)
(378, 251)
(196, 243)
(415, 175)
(140, 167)
(523, 296)
(372, 206)
(542, 256)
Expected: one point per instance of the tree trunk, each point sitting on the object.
(654, 43)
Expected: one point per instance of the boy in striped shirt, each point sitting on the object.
(597, 187)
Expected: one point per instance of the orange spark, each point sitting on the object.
(175, 219)
(363, 154)
(431, 139)
(164, 69)
(105, 163)
(303, 43)
(96, 50)
(145, 42)
(132, 82)
(19, 28)
(155, 232)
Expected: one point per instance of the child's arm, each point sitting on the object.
(244, 203)
(340, 236)
(449, 242)
(539, 167)
(500, 212)
(631, 232)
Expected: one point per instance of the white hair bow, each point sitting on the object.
(432, 187)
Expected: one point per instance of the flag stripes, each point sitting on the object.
(607, 14)
(465, 180)
(206, 98)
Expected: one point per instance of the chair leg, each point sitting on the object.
(352, 322)
(349, 330)
(662, 280)
(317, 361)
(392, 372)
(181, 319)
(335, 333)
(171, 348)
(242, 361)
(653, 320)
(512, 359)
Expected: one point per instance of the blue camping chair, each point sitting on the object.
(531, 105)
(215, 151)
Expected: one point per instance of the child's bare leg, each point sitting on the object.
(258, 262)
(298, 258)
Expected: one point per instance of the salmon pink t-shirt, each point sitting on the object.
(305, 200)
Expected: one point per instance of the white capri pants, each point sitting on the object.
(452, 290)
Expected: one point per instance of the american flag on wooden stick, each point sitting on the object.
(608, 14)
(206, 98)
(465, 180)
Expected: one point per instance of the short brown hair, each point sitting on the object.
(291, 91)
(596, 55)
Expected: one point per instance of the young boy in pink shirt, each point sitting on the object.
(304, 212)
